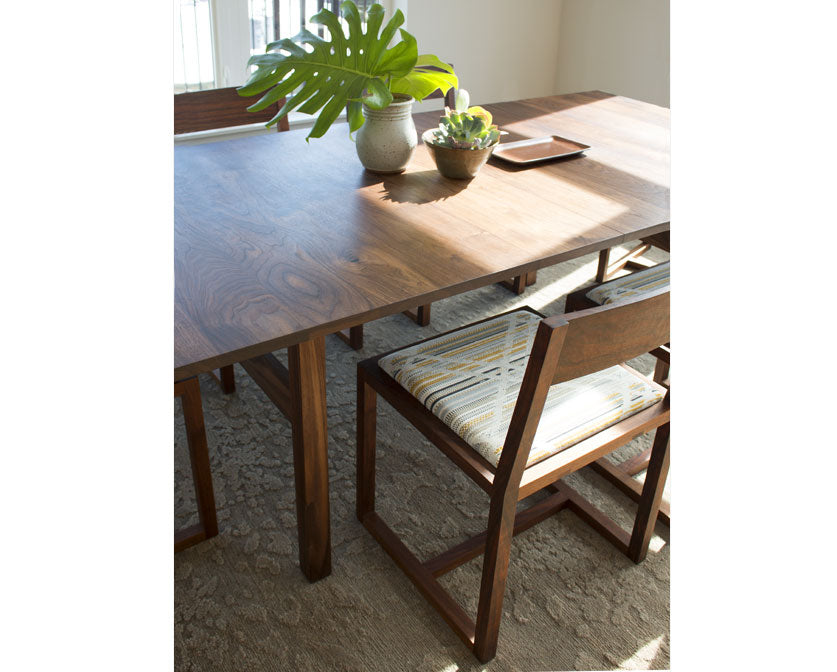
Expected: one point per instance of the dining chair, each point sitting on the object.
(202, 111)
(602, 293)
(219, 108)
(518, 402)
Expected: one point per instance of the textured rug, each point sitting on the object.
(572, 602)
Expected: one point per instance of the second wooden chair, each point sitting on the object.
(622, 474)
(518, 402)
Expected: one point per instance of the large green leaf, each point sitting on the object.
(345, 70)
(428, 74)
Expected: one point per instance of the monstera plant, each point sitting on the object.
(354, 69)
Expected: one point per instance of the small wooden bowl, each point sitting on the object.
(460, 164)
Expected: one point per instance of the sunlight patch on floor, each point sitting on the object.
(656, 545)
(643, 656)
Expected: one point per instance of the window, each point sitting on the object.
(194, 68)
(214, 38)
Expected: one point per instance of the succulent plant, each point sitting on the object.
(466, 127)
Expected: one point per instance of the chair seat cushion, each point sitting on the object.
(633, 284)
(470, 380)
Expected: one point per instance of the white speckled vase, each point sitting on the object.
(388, 137)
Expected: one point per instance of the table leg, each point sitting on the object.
(306, 368)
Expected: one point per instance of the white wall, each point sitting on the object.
(506, 50)
(500, 50)
(619, 46)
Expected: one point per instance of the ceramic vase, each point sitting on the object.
(386, 141)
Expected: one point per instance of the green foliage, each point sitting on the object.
(347, 70)
(471, 129)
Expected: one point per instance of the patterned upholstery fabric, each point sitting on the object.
(631, 285)
(470, 380)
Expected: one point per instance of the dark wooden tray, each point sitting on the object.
(538, 149)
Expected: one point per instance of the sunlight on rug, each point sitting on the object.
(644, 656)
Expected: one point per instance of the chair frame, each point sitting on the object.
(622, 474)
(565, 347)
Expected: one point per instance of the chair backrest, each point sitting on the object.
(219, 108)
(574, 345)
(450, 96)
(598, 338)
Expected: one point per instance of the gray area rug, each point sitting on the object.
(572, 602)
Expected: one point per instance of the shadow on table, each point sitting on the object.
(426, 186)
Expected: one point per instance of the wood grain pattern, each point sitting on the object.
(609, 335)
(266, 258)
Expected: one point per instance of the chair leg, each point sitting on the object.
(190, 393)
(519, 283)
(661, 371)
(495, 569)
(571, 303)
(227, 379)
(652, 494)
(421, 316)
(607, 270)
(366, 436)
(604, 262)
(423, 313)
(354, 337)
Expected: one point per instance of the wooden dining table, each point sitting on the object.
(279, 242)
